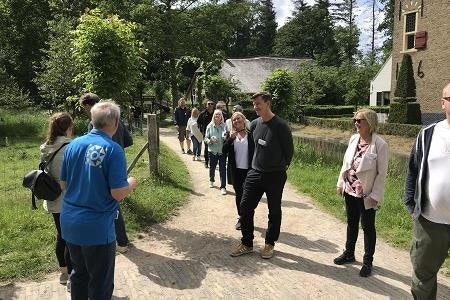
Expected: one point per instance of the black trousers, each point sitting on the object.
(61, 249)
(206, 154)
(355, 211)
(238, 185)
(255, 185)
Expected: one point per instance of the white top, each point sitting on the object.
(437, 209)
(241, 152)
(190, 122)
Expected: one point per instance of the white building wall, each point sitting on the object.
(381, 82)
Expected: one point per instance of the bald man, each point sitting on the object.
(427, 198)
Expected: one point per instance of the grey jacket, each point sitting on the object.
(54, 169)
(414, 196)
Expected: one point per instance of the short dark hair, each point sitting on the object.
(266, 96)
(89, 99)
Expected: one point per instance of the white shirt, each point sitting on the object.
(241, 152)
(437, 209)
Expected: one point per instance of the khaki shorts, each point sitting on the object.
(181, 133)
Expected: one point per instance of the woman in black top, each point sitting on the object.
(239, 146)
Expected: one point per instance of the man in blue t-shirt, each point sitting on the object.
(95, 178)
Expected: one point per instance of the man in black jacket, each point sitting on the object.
(180, 118)
(427, 198)
(273, 153)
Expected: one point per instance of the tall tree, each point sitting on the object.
(108, 56)
(265, 29)
(23, 34)
(347, 33)
(309, 34)
(387, 26)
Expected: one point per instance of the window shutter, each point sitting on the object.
(421, 40)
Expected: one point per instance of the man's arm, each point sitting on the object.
(287, 143)
(120, 193)
(411, 176)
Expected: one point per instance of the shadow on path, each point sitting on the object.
(289, 203)
(301, 242)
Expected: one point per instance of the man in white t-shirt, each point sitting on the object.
(427, 198)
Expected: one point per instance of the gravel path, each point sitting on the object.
(188, 256)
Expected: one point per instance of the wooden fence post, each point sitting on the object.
(153, 143)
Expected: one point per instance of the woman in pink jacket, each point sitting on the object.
(361, 183)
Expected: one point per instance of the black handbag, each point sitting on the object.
(42, 185)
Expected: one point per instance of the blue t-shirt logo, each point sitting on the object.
(95, 155)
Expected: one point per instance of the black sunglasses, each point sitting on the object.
(358, 121)
(446, 98)
(210, 103)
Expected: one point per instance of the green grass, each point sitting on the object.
(27, 237)
(316, 176)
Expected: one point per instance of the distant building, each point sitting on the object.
(422, 29)
(380, 86)
(250, 73)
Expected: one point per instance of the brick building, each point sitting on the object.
(422, 29)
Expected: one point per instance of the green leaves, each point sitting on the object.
(108, 55)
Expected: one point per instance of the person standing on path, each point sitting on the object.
(427, 198)
(124, 139)
(59, 135)
(204, 119)
(94, 175)
(361, 183)
(195, 135)
(214, 137)
(274, 149)
(239, 146)
(180, 117)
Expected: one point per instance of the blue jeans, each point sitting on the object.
(121, 234)
(93, 271)
(196, 146)
(222, 160)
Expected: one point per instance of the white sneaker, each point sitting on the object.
(223, 191)
(198, 158)
(211, 184)
(68, 286)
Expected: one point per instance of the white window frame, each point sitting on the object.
(409, 33)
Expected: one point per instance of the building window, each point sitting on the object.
(410, 30)
(383, 98)
(386, 98)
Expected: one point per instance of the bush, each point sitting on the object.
(280, 85)
(413, 114)
(407, 130)
(405, 90)
(330, 110)
(397, 113)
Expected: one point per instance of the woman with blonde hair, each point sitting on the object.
(239, 146)
(214, 136)
(59, 135)
(361, 184)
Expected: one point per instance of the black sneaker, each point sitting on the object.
(189, 151)
(366, 270)
(344, 258)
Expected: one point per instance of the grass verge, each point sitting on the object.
(27, 237)
(316, 176)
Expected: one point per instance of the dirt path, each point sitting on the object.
(188, 256)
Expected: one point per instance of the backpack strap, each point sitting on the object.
(33, 201)
(44, 166)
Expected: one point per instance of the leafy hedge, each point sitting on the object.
(330, 110)
(383, 128)
(405, 113)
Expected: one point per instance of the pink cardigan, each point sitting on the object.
(372, 170)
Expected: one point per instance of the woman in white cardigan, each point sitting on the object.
(361, 183)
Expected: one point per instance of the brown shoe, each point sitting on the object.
(241, 250)
(267, 251)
